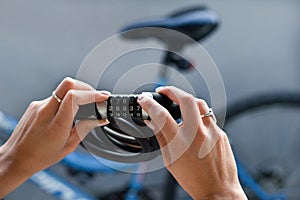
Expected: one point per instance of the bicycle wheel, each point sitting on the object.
(264, 134)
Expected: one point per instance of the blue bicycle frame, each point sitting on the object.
(62, 189)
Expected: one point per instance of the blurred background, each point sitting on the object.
(256, 47)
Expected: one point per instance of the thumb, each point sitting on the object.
(81, 130)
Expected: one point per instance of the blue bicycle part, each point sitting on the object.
(248, 181)
(46, 180)
(265, 107)
(58, 187)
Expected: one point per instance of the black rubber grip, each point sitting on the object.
(172, 107)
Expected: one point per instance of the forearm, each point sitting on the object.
(11, 175)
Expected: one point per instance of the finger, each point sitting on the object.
(80, 131)
(62, 89)
(69, 84)
(161, 119)
(202, 106)
(162, 143)
(204, 109)
(73, 99)
(187, 103)
(211, 133)
(159, 136)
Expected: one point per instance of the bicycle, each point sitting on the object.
(266, 182)
(80, 162)
(180, 63)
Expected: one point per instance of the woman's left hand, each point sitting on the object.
(45, 134)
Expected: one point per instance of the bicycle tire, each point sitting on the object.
(234, 111)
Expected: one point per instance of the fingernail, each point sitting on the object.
(103, 122)
(104, 92)
(141, 97)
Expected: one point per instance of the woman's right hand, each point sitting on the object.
(196, 151)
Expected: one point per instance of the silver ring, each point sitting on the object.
(59, 100)
(210, 113)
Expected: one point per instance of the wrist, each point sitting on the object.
(11, 172)
(230, 192)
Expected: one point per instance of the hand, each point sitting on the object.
(196, 151)
(44, 135)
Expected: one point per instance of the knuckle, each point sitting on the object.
(201, 102)
(42, 111)
(68, 83)
(36, 107)
(188, 99)
(33, 105)
(148, 103)
(70, 148)
(223, 136)
(164, 113)
(70, 95)
(158, 111)
(169, 89)
(39, 110)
